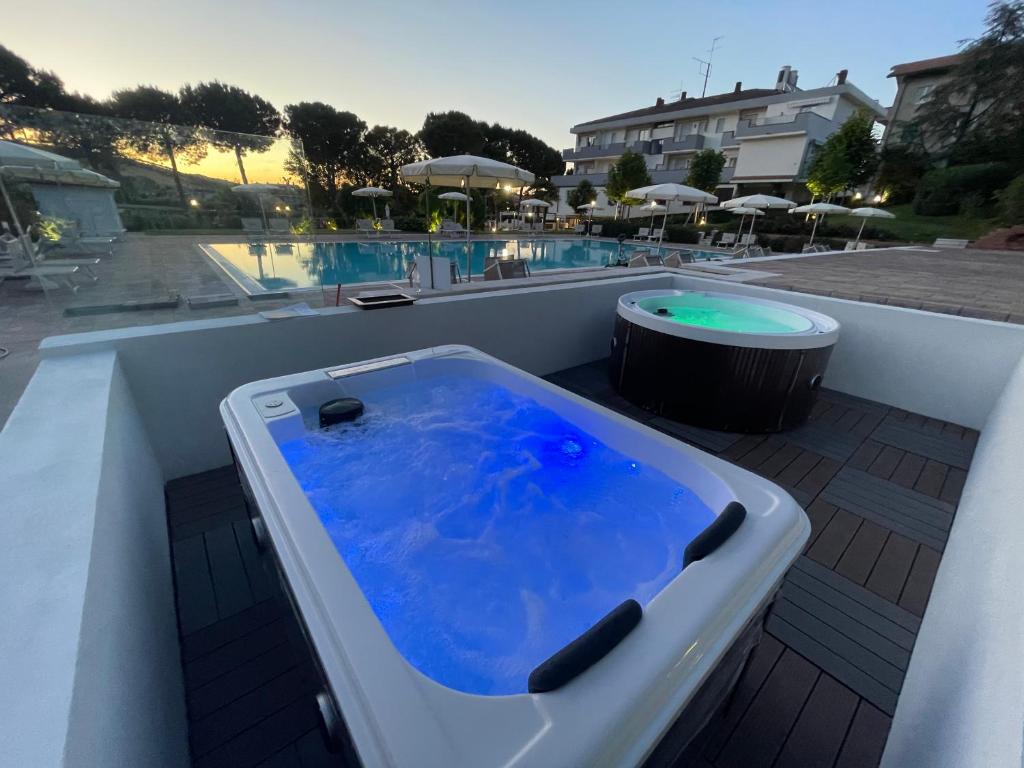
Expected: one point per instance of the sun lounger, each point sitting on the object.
(643, 233)
(656, 234)
(365, 227)
(387, 226)
(452, 228)
(253, 229)
(948, 242)
(279, 226)
(14, 259)
(505, 269)
(579, 229)
(676, 259)
(595, 231)
(646, 259)
(727, 239)
(43, 278)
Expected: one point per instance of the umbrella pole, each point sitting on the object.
(263, 213)
(814, 229)
(430, 248)
(469, 259)
(859, 231)
(373, 199)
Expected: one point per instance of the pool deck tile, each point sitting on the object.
(880, 487)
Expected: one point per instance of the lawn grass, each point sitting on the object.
(923, 229)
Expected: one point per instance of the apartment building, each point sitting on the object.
(768, 137)
(915, 83)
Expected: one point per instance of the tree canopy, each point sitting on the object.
(977, 113)
(250, 120)
(628, 172)
(331, 141)
(452, 133)
(706, 170)
(847, 158)
(385, 151)
(581, 194)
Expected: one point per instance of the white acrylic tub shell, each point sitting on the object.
(824, 330)
(612, 714)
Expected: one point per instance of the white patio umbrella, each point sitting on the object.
(259, 191)
(869, 213)
(743, 212)
(533, 202)
(373, 193)
(819, 210)
(758, 201)
(466, 171)
(670, 193)
(455, 197)
(589, 208)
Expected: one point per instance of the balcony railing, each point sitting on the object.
(804, 122)
(729, 139)
(689, 143)
(594, 151)
(641, 147)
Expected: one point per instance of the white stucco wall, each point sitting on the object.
(89, 660)
(962, 702)
(771, 156)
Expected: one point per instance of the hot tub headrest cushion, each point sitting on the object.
(587, 649)
(342, 409)
(716, 534)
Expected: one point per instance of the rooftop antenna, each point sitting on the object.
(704, 67)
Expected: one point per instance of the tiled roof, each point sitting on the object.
(926, 65)
(675, 106)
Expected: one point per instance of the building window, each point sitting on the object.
(923, 93)
(731, 162)
(645, 134)
(667, 124)
(720, 125)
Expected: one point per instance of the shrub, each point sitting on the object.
(941, 190)
(411, 223)
(614, 228)
(1011, 201)
(682, 233)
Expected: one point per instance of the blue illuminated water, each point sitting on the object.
(280, 266)
(486, 531)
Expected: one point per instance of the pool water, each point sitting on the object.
(486, 531)
(283, 266)
(725, 314)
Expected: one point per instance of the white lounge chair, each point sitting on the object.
(644, 233)
(727, 239)
(279, 226)
(595, 231)
(949, 242)
(579, 229)
(452, 228)
(253, 229)
(365, 227)
(646, 259)
(505, 269)
(13, 258)
(387, 226)
(656, 234)
(676, 259)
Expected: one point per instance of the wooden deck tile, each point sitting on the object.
(819, 732)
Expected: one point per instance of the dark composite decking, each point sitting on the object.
(880, 487)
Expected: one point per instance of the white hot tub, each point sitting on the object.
(490, 570)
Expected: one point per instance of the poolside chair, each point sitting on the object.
(14, 259)
(676, 259)
(727, 239)
(645, 259)
(72, 242)
(505, 269)
(387, 226)
(253, 230)
(365, 227)
(644, 233)
(580, 229)
(452, 228)
(279, 226)
(656, 234)
(595, 231)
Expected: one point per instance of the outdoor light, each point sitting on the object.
(858, 196)
(194, 203)
(877, 198)
(593, 202)
(288, 208)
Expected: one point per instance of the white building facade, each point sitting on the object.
(768, 136)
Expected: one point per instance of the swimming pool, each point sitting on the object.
(294, 266)
(492, 571)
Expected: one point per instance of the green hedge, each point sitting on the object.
(964, 189)
(1011, 201)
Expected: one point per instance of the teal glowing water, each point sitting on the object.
(725, 314)
(303, 265)
(486, 531)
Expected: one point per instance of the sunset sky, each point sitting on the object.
(541, 66)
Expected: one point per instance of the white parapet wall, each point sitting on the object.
(947, 367)
(89, 658)
(962, 702)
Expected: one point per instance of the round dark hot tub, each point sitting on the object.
(718, 360)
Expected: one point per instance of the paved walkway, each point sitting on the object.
(984, 284)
